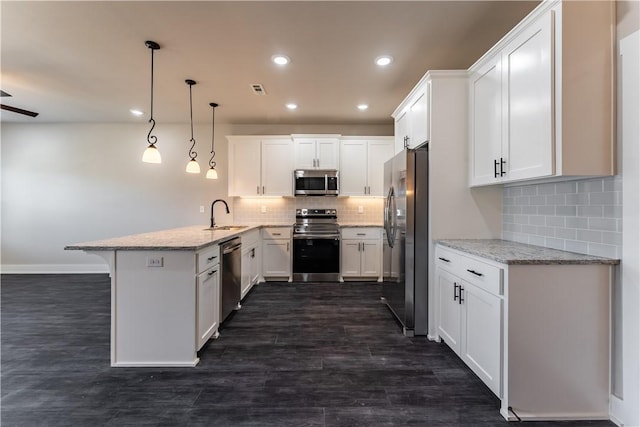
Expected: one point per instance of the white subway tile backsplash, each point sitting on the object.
(566, 210)
(590, 211)
(580, 216)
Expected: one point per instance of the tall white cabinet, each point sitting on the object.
(542, 99)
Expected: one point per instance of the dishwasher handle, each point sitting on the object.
(232, 248)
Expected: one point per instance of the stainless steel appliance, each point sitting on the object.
(316, 182)
(230, 284)
(316, 245)
(406, 247)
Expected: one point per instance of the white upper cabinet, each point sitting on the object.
(260, 166)
(542, 99)
(316, 151)
(412, 118)
(486, 122)
(362, 165)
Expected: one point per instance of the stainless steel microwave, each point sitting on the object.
(316, 182)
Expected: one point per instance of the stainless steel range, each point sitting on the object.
(316, 245)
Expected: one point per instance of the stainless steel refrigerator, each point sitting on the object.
(406, 247)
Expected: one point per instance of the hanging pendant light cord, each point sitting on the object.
(192, 153)
(151, 139)
(213, 116)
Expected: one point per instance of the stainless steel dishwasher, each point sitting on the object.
(230, 289)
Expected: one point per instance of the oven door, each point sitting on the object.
(316, 258)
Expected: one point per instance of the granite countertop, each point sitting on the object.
(507, 252)
(190, 238)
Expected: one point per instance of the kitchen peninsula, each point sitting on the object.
(164, 292)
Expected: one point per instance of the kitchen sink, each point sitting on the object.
(227, 228)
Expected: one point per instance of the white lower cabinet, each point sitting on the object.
(361, 253)
(276, 252)
(470, 316)
(250, 264)
(208, 297)
(537, 334)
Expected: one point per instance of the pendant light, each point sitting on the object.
(212, 173)
(192, 165)
(151, 154)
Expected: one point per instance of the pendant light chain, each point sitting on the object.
(151, 154)
(192, 153)
(212, 163)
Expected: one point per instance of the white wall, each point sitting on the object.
(71, 183)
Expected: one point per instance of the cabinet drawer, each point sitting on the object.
(277, 232)
(361, 233)
(208, 258)
(250, 238)
(481, 274)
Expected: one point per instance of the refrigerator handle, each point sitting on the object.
(393, 216)
(387, 217)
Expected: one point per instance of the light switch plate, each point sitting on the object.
(201, 209)
(360, 209)
(263, 209)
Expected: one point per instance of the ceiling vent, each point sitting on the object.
(258, 89)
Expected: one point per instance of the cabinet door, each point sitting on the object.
(305, 153)
(327, 153)
(486, 122)
(527, 99)
(276, 261)
(350, 257)
(245, 276)
(378, 153)
(208, 304)
(401, 130)
(277, 170)
(370, 258)
(353, 172)
(418, 119)
(481, 332)
(244, 167)
(448, 309)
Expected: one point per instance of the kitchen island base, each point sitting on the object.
(153, 309)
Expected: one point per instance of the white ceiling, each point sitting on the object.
(87, 61)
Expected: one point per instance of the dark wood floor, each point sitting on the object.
(294, 355)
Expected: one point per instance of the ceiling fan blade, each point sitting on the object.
(3, 93)
(18, 110)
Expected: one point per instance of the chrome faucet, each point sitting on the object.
(213, 222)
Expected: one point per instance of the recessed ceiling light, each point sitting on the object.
(136, 112)
(384, 60)
(363, 107)
(292, 106)
(280, 59)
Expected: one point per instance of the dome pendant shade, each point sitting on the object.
(212, 174)
(193, 166)
(151, 155)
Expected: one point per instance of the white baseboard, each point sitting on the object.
(53, 268)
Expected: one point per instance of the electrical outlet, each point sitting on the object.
(155, 261)
(201, 209)
(263, 209)
(360, 209)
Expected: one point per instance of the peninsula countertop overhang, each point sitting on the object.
(191, 238)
